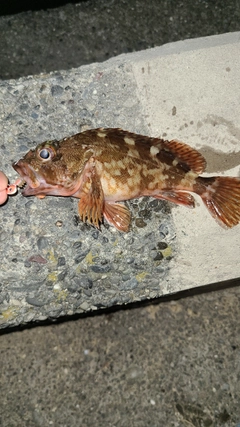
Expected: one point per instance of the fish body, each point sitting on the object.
(104, 166)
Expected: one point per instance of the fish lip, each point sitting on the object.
(28, 176)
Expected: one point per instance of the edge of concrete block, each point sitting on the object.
(178, 47)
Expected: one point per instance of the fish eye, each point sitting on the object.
(44, 154)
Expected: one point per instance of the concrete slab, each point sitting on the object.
(190, 91)
(51, 265)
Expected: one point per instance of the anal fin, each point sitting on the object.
(117, 215)
(178, 197)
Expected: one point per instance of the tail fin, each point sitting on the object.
(221, 196)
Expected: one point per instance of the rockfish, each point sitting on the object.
(105, 166)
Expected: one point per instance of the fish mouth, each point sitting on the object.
(30, 183)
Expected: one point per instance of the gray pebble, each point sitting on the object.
(77, 246)
(35, 301)
(84, 306)
(42, 242)
(83, 282)
(74, 235)
(140, 223)
(56, 90)
(95, 234)
(4, 297)
(100, 269)
(23, 107)
(62, 275)
(28, 204)
(153, 203)
(145, 213)
(61, 261)
(27, 264)
(162, 245)
(158, 257)
(130, 284)
(126, 277)
(80, 257)
(3, 236)
(105, 239)
(130, 260)
(87, 292)
(163, 229)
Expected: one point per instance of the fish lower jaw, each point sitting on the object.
(28, 191)
(43, 189)
(21, 184)
(29, 188)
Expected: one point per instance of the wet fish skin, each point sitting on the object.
(106, 165)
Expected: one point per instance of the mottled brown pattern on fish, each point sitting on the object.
(103, 166)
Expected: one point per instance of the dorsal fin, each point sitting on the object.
(184, 154)
(188, 155)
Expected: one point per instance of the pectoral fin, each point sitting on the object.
(90, 206)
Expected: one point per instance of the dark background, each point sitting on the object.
(12, 7)
(95, 30)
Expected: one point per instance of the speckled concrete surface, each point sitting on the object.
(176, 364)
(51, 263)
(103, 269)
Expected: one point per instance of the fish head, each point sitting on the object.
(50, 169)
